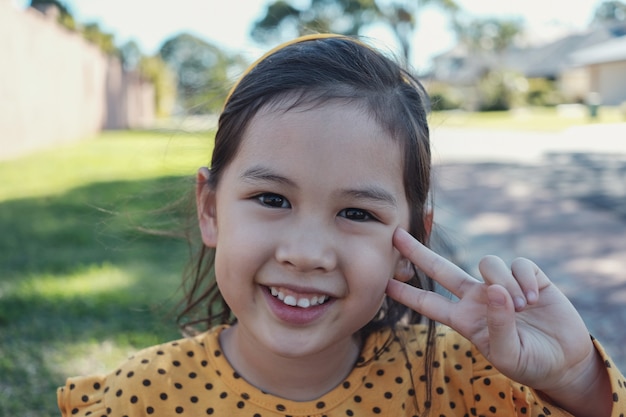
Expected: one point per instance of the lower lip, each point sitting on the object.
(295, 315)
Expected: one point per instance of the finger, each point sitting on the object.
(528, 275)
(430, 304)
(495, 271)
(450, 276)
(503, 338)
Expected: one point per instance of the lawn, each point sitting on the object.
(82, 284)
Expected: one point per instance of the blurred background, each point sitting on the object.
(107, 108)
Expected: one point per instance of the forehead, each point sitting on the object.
(330, 142)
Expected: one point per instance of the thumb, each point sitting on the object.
(503, 338)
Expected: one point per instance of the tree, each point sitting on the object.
(164, 81)
(490, 34)
(609, 12)
(65, 18)
(105, 41)
(203, 72)
(348, 17)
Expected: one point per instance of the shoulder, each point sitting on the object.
(158, 371)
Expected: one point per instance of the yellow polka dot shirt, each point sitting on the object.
(191, 377)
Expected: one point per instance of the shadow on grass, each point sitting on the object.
(76, 272)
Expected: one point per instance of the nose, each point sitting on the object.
(307, 246)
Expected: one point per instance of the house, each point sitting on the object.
(601, 69)
(578, 64)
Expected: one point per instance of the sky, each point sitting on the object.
(227, 23)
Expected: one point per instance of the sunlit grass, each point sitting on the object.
(92, 280)
(115, 155)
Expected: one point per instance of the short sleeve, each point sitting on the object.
(618, 382)
(494, 394)
(82, 396)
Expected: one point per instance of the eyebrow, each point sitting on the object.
(370, 193)
(259, 173)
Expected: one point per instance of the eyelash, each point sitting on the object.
(265, 199)
(278, 201)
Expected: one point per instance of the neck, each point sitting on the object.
(296, 379)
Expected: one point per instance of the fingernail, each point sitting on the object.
(497, 300)
(531, 296)
(519, 302)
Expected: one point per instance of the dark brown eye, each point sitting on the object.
(356, 214)
(273, 200)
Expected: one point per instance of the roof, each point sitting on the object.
(610, 51)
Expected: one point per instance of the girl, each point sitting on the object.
(314, 221)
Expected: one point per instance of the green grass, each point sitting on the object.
(81, 287)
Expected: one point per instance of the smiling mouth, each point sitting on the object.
(298, 300)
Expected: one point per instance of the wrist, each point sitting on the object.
(588, 393)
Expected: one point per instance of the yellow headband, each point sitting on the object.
(278, 48)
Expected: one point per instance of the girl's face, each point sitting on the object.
(302, 222)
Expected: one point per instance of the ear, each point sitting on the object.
(206, 206)
(404, 270)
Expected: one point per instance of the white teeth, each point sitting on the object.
(301, 302)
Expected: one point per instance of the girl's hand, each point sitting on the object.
(516, 318)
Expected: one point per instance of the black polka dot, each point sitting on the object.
(163, 396)
(146, 382)
(176, 363)
(149, 410)
(85, 398)
(388, 395)
(190, 354)
(130, 374)
(179, 410)
(192, 375)
(346, 384)
(223, 395)
(320, 404)
(280, 407)
(209, 411)
(161, 371)
(376, 410)
(178, 385)
(96, 386)
(487, 381)
(134, 399)
(349, 412)
(208, 386)
(193, 399)
(240, 404)
(357, 398)
(145, 361)
(118, 393)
